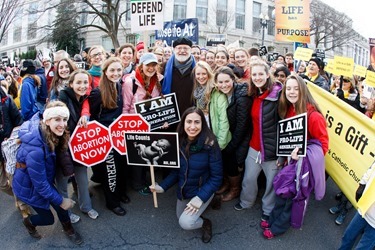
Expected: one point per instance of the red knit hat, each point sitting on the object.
(140, 45)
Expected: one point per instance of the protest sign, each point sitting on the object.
(370, 78)
(343, 66)
(215, 39)
(292, 20)
(262, 51)
(359, 70)
(126, 123)
(174, 29)
(159, 110)
(91, 145)
(146, 15)
(292, 133)
(150, 148)
(303, 54)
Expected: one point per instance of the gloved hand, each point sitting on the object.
(67, 203)
(340, 93)
(359, 192)
(157, 188)
(194, 205)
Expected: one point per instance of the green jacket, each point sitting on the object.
(218, 118)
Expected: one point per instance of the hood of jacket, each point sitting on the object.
(29, 130)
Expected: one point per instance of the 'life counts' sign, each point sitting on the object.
(146, 15)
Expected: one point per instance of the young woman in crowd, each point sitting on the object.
(210, 59)
(199, 175)
(96, 57)
(241, 58)
(126, 54)
(12, 85)
(295, 100)
(281, 73)
(167, 53)
(60, 80)
(142, 84)
(262, 152)
(73, 96)
(106, 104)
(221, 59)
(213, 103)
(28, 94)
(235, 152)
(349, 94)
(33, 181)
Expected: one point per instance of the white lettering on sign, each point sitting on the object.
(93, 153)
(84, 135)
(292, 125)
(90, 144)
(157, 104)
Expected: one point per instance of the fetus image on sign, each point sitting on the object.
(151, 154)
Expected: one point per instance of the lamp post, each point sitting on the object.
(263, 23)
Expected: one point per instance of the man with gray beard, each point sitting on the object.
(177, 75)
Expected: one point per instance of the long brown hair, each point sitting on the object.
(253, 90)
(304, 98)
(153, 78)
(53, 141)
(108, 90)
(56, 80)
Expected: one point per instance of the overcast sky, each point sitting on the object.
(361, 11)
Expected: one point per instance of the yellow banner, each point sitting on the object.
(292, 20)
(344, 66)
(303, 54)
(370, 78)
(351, 141)
(360, 70)
(368, 197)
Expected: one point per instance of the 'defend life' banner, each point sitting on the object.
(351, 141)
(174, 29)
(292, 20)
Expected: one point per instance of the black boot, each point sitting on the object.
(206, 230)
(73, 236)
(31, 228)
(216, 202)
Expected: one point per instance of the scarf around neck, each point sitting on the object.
(95, 71)
(182, 67)
(147, 86)
(199, 96)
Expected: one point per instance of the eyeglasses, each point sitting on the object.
(97, 54)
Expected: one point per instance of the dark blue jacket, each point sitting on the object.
(34, 183)
(42, 92)
(200, 173)
(28, 98)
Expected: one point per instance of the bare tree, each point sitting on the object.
(8, 11)
(110, 12)
(329, 27)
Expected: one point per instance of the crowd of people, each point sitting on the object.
(231, 100)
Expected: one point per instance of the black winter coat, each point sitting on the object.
(10, 116)
(239, 122)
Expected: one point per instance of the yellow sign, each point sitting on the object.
(330, 68)
(344, 66)
(360, 70)
(351, 141)
(368, 196)
(292, 20)
(303, 54)
(370, 78)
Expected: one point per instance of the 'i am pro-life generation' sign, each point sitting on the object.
(146, 15)
(292, 133)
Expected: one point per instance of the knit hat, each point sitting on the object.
(317, 61)
(87, 49)
(182, 41)
(148, 58)
(28, 67)
(140, 45)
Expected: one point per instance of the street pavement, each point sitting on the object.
(146, 227)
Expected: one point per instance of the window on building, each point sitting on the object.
(257, 8)
(17, 31)
(179, 9)
(128, 11)
(240, 14)
(271, 21)
(202, 8)
(221, 13)
(131, 38)
(32, 21)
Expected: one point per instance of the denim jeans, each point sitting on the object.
(355, 228)
(45, 217)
